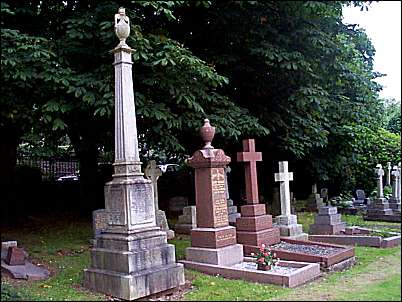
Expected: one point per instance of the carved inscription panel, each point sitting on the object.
(142, 204)
(219, 197)
(114, 199)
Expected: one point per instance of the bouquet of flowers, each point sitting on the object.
(265, 258)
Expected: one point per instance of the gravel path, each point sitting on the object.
(283, 270)
(314, 249)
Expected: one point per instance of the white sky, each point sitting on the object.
(382, 23)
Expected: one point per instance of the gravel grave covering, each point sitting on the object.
(314, 249)
(283, 270)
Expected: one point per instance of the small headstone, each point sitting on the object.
(276, 203)
(324, 195)
(4, 248)
(15, 256)
(327, 222)
(99, 221)
(187, 221)
(177, 203)
(314, 201)
(232, 209)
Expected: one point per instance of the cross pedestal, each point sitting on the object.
(254, 227)
(379, 208)
(286, 222)
(395, 200)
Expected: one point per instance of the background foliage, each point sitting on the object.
(288, 73)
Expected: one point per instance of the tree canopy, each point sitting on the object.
(289, 73)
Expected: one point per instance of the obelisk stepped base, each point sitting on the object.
(130, 266)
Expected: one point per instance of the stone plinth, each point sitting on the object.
(289, 228)
(131, 258)
(379, 210)
(254, 227)
(187, 221)
(327, 222)
(213, 241)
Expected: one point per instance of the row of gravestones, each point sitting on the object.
(386, 209)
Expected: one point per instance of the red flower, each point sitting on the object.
(261, 260)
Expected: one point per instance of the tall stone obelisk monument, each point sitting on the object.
(131, 258)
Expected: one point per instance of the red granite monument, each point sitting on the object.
(213, 241)
(254, 227)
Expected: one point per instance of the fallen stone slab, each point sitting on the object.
(361, 237)
(28, 271)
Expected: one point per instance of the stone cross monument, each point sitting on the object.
(287, 222)
(153, 172)
(380, 173)
(131, 258)
(213, 241)
(388, 175)
(250, 157)
(284, 177)
(314, 201)
(379, 209)
(395, 200)
(254, 227)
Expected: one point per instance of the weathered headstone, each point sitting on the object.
(131, 258)
(99, 221)
(327, 222)
(276, 202)
(388, 175)
(380, 206)
(213, 241)
(177, 204)
(324, 195)
(153, 172)
(15, 256)
(254, 227)
(14, 262)
(286, 222)
(395, 200)
(187, 221)
(314, 201)
(232, 209)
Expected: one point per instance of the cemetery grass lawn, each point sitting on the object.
(61, 244)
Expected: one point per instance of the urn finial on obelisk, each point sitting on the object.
(122, 26)
(207, 133)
